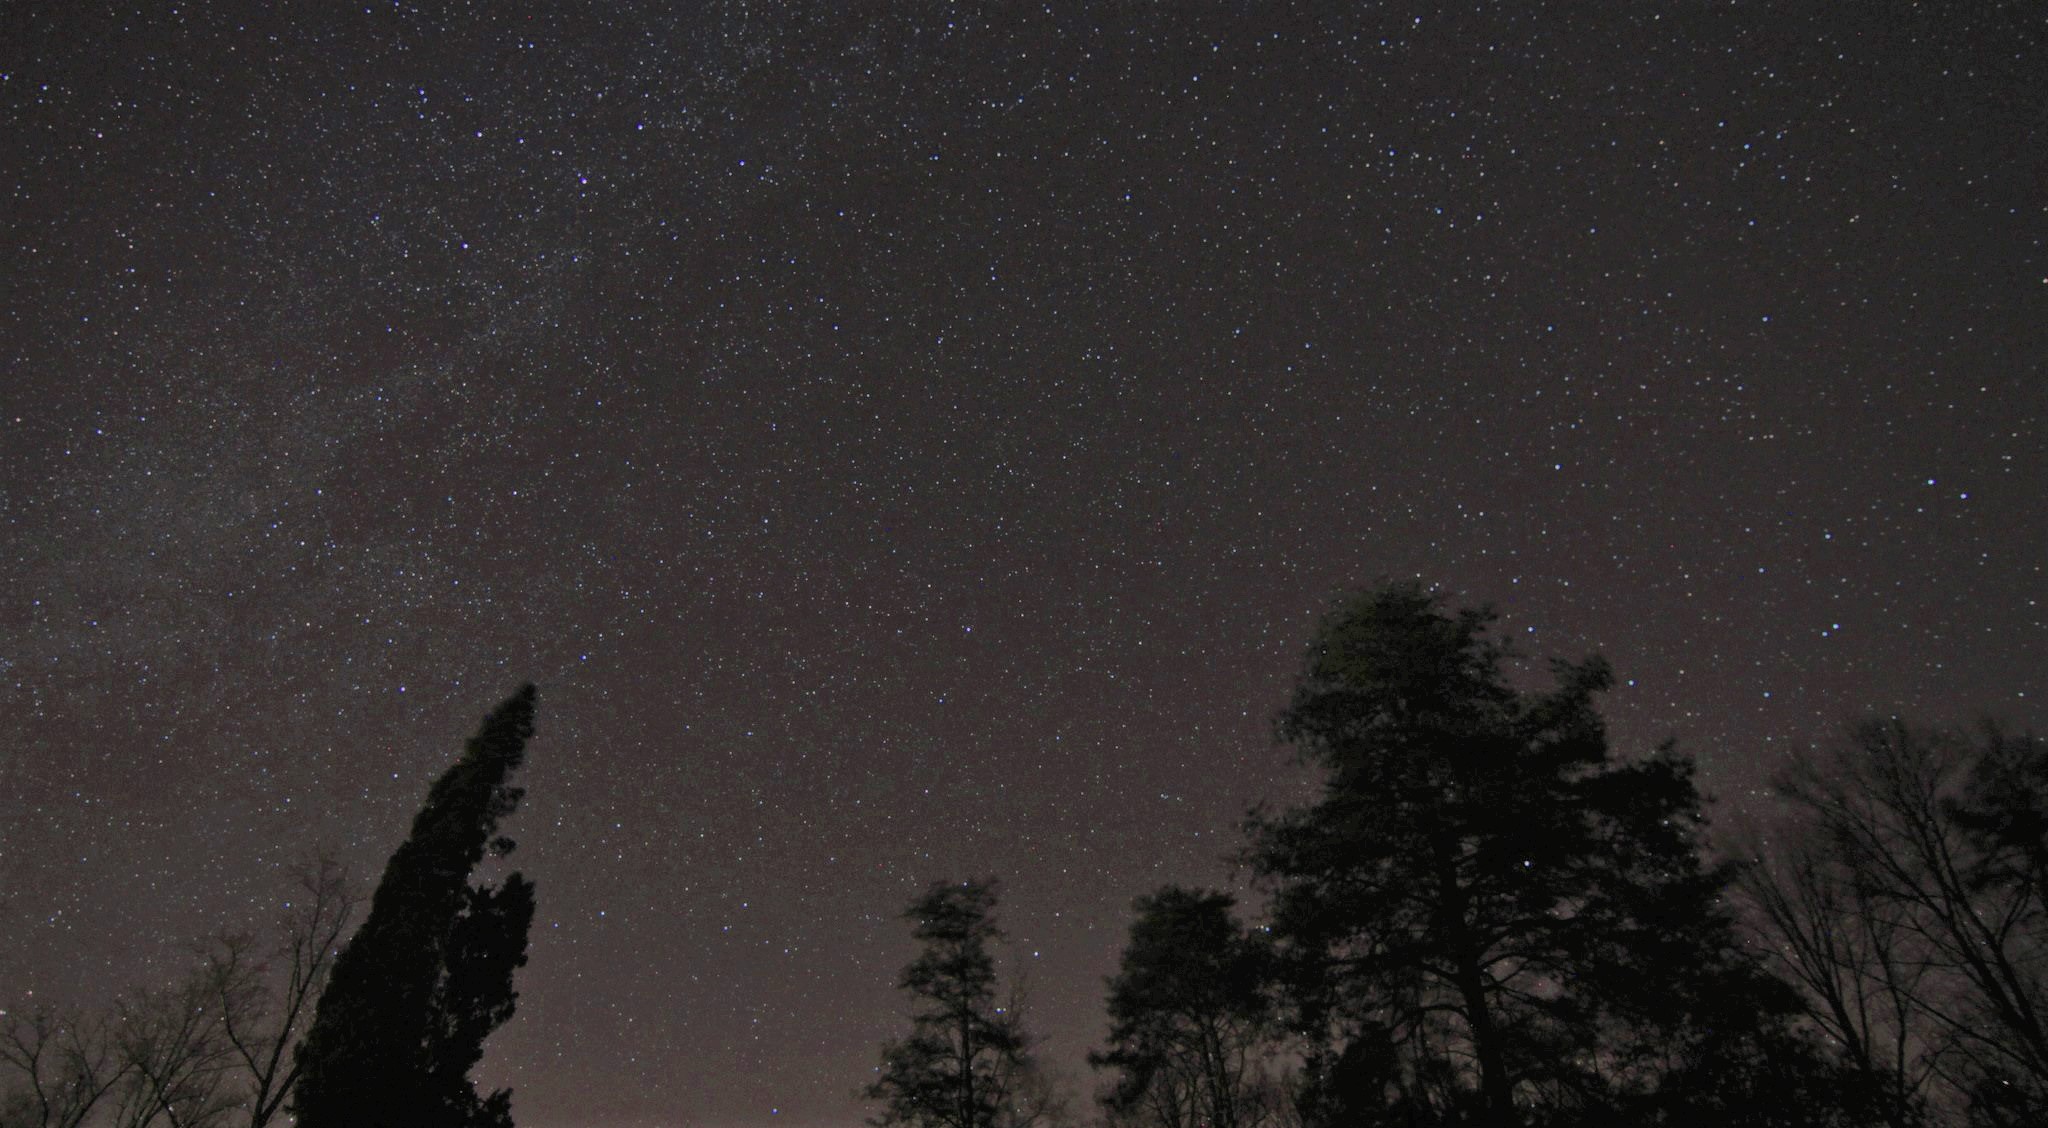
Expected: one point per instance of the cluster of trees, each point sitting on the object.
(1487, 918)
(378, 1033)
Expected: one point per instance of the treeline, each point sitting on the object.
(1488, 918)
(1485, 918)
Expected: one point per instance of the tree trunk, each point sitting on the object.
(1493, 1072)
(967, 1069)
(1494, 1085)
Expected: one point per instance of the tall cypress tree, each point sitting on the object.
(429, 974)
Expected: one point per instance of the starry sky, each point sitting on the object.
(911, 441)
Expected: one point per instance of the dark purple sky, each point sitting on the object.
(917, 443)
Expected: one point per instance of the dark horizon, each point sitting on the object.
(906, 444)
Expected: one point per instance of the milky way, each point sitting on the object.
(916, 442)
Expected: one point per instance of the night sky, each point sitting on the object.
(917, 442)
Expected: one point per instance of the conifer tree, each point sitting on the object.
(1488, 920)
(966, 1063)
(429, 974)
(1191, 1026)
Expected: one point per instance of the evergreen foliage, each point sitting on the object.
(1487, 919)
(1191, 1026)
(966, 1063)
(429, 974)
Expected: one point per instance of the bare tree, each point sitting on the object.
(64, 1067)
(175, 1058)
(1914, 916)
(1859, 965)
(264, 999)
(215, 1048)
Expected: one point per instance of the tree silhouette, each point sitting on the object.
(263, 999)
(1857, 966)
(66, 1066)
(966, 1063)
(1190, 1023)
(178, 1062)
(1485, 918)
(1906, 898)
(429, 975)
(212, 1048)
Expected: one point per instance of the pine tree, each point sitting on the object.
(966, 1063)
(1486, 919)
(1191, 1026)
(429, 974)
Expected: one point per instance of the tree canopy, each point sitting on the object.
(966, 1062)
(1487, 917)
(429, 974)
(1191, 1025)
